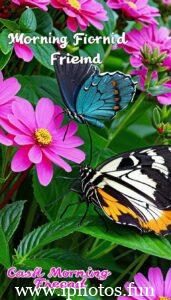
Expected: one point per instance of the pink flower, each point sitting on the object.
(137, 10)
(82, 13)
(42, 4)
(41, 140)
(23, 51)
(150, 38)
(158, 287)
(8, 90)
(165, 99)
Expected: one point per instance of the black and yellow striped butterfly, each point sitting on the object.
(133, 189)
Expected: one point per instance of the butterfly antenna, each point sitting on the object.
(91, 144)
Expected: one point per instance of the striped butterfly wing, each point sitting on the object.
(102, 95)
(135, 189)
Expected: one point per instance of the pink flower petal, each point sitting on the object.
(35, 154)
(164, 99)
(44, 112)
(56, 159)
(72, 24)
(23, 51)
(44, 171)
(17, 126)
(8, 89)
(5, 140)
(20, 161)
(156, 279)
(75, 155)
(71, 142)
(24, 111)
(23, 140)
(167, 289)
(68, 130)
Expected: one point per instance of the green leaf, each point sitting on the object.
(156, 116)
(44, 194)
(44, 22)
(128, 237)
(28, 21)
(11, 25)
(42, 52)
(158, 90)
(10, 217)
(4, 250)
(67, 259)
(36, 87)
(93, 50)
(4, 42)
(109, 26)
(4, 59)
(45, 235)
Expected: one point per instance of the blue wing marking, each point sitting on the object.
(102, 95)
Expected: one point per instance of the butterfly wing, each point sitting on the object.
(102, 95)
(134, 189)
(70, 79)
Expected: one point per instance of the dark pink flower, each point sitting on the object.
(8, 90)
(148, 38)
(158, 287)
(41, 139)
(42, 4)
(137, 10)
(82, 13)
(23, 51)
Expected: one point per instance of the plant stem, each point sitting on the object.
(30, 217)
(128, 269)
(125, 122)
(148, 80)
(107, 52)
(14, 188)
(4, 287)
(139, 265)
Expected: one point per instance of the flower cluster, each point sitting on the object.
(38, 135)
(137, 10)
(150, 53)
(81, 13)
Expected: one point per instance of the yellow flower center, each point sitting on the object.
(131, 4)
(75, 4)
(164, 298)
(43, 136)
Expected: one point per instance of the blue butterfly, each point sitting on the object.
(91, 97)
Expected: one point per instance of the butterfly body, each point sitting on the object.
(91, 97)
(133, 189)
